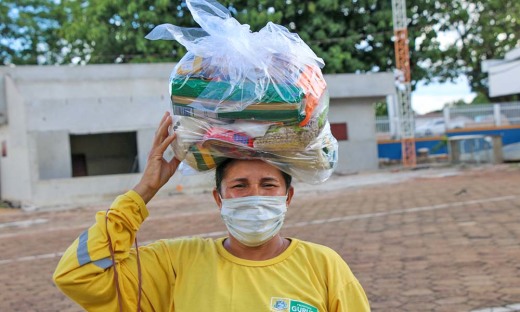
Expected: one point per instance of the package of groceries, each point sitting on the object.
(248, 95)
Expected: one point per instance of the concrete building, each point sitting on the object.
(503, 74)
(352, 99)
(77, 135)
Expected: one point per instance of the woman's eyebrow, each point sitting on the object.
(269, 179)
(239, 180)
(264, 179)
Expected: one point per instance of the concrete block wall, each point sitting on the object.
(45, 105)
(352, 101)
(359, 152)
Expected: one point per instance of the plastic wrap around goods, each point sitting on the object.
(307, 153)
(244, 94)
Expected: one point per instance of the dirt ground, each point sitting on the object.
(429, 240)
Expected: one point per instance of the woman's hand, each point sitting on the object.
(158, 171)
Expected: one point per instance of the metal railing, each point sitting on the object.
(382, 124)
(470, 116)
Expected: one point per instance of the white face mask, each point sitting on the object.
(253, 220)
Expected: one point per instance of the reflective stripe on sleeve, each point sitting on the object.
(82, 252)
(104, 263)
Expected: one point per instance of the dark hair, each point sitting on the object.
(221, 168)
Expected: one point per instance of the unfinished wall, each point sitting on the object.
(352, 102)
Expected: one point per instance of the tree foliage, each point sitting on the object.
(351, 36)
(476, 30)
(381, 108)
(28, 32)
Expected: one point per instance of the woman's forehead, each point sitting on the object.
(258, 169)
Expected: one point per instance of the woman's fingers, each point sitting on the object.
(162, 137)
(166, 142)
(158, 171)
(162, 130)
(165, 138)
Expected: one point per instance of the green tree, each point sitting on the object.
(28, 32)
(381, 108)
(480, 30)
(481, 98)
(457, 103)
(113, 31)
(351, 36)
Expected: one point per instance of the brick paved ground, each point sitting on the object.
(431, 242)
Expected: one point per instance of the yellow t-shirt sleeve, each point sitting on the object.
(350, 298)
(85, 272)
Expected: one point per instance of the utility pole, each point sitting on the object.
(404, 89)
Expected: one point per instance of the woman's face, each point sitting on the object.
(252, 178)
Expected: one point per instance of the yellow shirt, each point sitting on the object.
(195, 274)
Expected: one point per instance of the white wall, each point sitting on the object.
(45, 104)
(88, 81)
(503, 74)
(3, 100)
(53, 154)
(359, 152)
(360, 86)
(503, 79)
(16, 169)
(352, 101)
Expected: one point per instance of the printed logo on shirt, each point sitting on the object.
(290, 305)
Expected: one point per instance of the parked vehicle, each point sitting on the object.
(437, 126)
(489, 120)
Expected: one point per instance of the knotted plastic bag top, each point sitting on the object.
(251, 64)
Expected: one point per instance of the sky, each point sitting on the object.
(433, 96)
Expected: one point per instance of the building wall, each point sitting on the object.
(503, 79)
(53, 154)
(353, 98)
(503, 74)
(359, 152)
(46, 105)
(16, 168)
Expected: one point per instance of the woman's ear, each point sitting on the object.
(217, 198)
(290, 194)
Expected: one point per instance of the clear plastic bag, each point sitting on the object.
(203, 145)
(244, 94)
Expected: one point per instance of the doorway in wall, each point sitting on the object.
(104, 153)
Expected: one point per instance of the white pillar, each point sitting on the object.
(446, 113)
(393, 119)
(496, 115)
